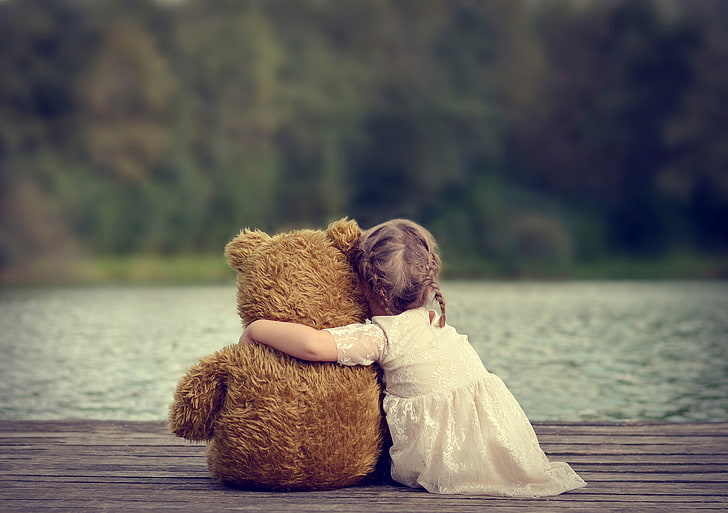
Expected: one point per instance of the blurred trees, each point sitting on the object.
(524, 134)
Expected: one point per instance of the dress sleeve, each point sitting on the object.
(359, 344)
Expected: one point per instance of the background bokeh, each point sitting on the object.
(565, 138)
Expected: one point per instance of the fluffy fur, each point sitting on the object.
(271, 421)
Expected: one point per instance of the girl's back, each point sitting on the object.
(420, 358)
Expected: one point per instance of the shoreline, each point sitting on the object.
(212, 269)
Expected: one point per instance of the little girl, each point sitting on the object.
(455, 427)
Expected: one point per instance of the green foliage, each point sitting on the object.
(531, 137)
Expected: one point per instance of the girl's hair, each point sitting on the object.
(397, 262)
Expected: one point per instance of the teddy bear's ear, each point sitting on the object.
(240, 248)
(345, 233)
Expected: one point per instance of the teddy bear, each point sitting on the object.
(272, 422)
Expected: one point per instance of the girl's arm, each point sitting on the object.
(296, 340)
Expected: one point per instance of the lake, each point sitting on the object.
(571, 351)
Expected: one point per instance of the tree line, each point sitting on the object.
(520, 132)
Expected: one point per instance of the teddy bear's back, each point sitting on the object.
(317, 428)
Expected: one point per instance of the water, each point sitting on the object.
(576, 351)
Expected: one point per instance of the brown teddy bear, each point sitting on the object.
(271, 421)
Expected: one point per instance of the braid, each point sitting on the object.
(378, 289)
(433, 286)
(369, 276)
(441, 300)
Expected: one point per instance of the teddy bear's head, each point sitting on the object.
(299, 276)
(271, 421)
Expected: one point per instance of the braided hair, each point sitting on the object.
(398, 263)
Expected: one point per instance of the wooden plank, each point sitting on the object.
(217, 501)
(718, 429)
(170, 455)
(564, 451)
(146, 428)
(139, 466)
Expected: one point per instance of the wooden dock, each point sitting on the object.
(90, 466)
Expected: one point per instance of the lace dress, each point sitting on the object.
(455, 427)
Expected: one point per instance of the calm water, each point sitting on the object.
(568, 351)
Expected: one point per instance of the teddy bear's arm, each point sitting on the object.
(197, 399)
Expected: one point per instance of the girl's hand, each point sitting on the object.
(245, 338)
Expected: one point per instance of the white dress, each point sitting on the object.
(455, 427)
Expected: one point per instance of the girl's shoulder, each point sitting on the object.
(413, 312)
(421, 316)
